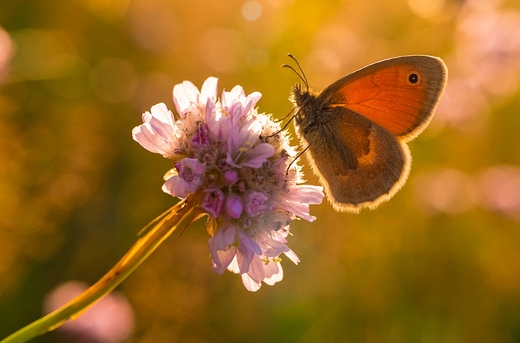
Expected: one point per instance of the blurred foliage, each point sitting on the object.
(440, 262)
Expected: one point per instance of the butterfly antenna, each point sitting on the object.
(300, 74)
(302, 77)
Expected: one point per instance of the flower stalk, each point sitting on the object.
(160, 229)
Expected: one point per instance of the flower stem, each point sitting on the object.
(163, 226)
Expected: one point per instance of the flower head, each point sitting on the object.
(233, 162)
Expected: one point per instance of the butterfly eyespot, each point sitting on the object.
(413, 78)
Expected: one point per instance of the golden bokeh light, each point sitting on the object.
(440, 262)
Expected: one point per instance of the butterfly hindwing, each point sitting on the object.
(359, 161)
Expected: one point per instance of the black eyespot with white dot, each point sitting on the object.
(413, 78)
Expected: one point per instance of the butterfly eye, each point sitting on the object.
(413, 78)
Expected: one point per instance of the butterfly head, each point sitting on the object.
(303, 100)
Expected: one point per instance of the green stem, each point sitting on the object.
(145, 245)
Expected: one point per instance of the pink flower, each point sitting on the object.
(234, 206)
(255, 202)
(221, 157)
(110, 320)
(190, 173)
(212, 201)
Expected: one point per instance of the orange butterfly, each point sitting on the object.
(356, 129)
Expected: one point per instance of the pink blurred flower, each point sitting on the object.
(111, 320)
(239, 177)
(6, 52)
(484, 66)
(446, 190)
(486, 47)
(500, 190)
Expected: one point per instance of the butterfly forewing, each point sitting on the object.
(398, 94)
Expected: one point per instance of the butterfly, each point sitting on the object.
(356, 129)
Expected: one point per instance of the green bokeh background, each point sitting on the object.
(440, 262)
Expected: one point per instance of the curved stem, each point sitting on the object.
(165, 224)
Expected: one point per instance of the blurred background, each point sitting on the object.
(440, 262)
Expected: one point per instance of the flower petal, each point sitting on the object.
(186, 97)
(176, 186)
(292, 256)
(225, 236)
(298, 199)
(221, 247)
(223, 259)
(228, 99)
(158, 132)
(209, 90)
(256, 269)
(254, 158)
(246, 251)
(233, 266)
(250, 284)
(273, 273)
